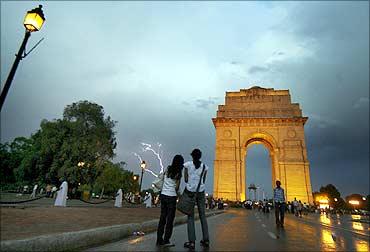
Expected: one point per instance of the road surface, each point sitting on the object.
(250, 230)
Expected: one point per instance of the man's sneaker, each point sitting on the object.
(204, 243)
(190, 245)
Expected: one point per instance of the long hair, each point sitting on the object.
(175, 169)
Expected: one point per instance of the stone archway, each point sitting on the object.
(261, 116)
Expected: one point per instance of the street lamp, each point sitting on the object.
(81, 164)
(142, 165)
(354, 202)
(33, 21)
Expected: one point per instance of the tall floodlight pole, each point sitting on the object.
(33, 21)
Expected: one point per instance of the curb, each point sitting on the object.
(86, 238)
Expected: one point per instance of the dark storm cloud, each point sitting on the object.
(278, 53)
(206, 103)
(257, 69)
(334, 86)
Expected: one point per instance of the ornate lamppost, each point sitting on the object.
(33, 22)
(142, 165)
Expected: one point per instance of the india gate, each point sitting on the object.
(261, 116)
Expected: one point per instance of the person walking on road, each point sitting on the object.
(195, 174)
(279, 201)
(168, 197)
(300, 208)
(295, 206)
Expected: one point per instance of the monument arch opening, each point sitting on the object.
(258, 171)
(265, 116)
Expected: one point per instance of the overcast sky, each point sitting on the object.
(161, 68)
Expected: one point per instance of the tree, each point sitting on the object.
(54, 152)
(333, 194)
(113, 178)
(92, 141)
(21, 155)
(6, 170)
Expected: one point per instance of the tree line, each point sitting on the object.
(78, 148)
(337, 202)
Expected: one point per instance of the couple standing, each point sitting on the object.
(172, 177)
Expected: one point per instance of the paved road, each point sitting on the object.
(250, 230)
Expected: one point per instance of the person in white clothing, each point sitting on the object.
(295, 206)
(168, 197)
(148, 200)
(61, 199)
(118, 200)
(33, 195)
(195, 174)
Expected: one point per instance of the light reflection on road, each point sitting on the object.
(324, 219)
(357, 226)
(327, 240)
(361, 246)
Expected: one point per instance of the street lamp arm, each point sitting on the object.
(18, 58)
(26, 53)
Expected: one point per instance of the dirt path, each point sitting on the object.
(17, 223)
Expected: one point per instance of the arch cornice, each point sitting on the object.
(257, 121)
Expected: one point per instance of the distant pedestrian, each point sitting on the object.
(25, 189)
(53, 191)
(220, 204)
(61, 199)
(148, 200)
(213, 203)
(195, 174)
(118, 198)
(33, 194)
(295, 206)
(48, 191)
(157, 201)
(300, 208)
(168, 197)
(279, 201)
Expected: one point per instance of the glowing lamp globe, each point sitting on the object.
(143, 165)
(34, 19)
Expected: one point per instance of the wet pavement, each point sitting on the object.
(250, 230)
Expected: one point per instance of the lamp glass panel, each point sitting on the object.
(33, 22)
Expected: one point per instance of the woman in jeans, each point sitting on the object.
(168, 199)
(195, 177)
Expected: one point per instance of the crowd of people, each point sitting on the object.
(297, 208)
